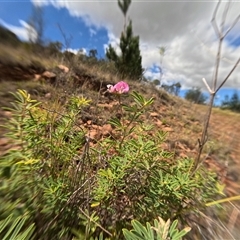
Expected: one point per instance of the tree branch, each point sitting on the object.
(229, 74)
(206, 84)
(224, 16)
(232, 26)
(214, 23)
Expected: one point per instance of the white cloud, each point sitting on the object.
(22, 32)
(184, 27)
(82, 51)
(114, 41)
(92, 32)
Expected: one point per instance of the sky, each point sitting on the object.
(183, 27)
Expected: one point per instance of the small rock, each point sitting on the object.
(63, 68)
(4, 141)
(154, 114)
(159, 123)
(93, 134)
(49, 75)
(106, 129)
(104, 105)
(37, 77)
(183, 155)
(48, 95)
(94, 126)
(7, 114)
(168, 129)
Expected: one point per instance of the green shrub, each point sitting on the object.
(41, 176)
(233, 103)
(8, 37)
(67, 188)
(195, 95)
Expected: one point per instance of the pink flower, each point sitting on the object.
(119, 88)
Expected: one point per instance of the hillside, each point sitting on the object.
(8, 37)
(181, 119)
(52, 81)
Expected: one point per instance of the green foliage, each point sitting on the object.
(67, 189)
(54, 48)
(195, 95)
(93, 53)
(41, 177)
(160, 231)
(139, 180)
(129, 63)
(156, 82)
(233, 103)
(69, 56)
(8, 37)
(36, 29)
(172, 88)
(124, 5)
(13, 228)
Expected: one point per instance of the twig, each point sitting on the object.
(67, 40)
(68, 201)
(105, 230)
(229, 74)
(215, 27)
(220, 224)
(206, 84)
(224, 16)
(232, 26)
(62, 115)
(233, 218)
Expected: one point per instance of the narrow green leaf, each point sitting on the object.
(150, 231)
(129, 235)
(11, 229)
(173, 226)
(18, 228)
(183, 232)
(5, 222)
(116, 122)
(26, 235)
(139, 228)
